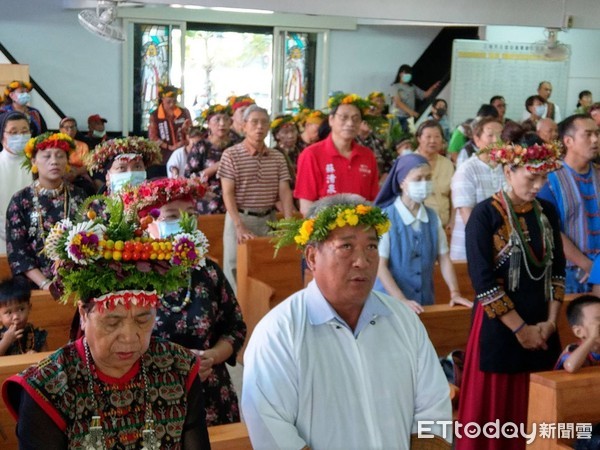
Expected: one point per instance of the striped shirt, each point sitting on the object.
(256, 177)
(473, 182)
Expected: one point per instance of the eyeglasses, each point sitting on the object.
(69, 127)
(354, 119)
(256, 122)
(15, 133)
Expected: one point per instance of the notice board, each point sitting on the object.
(482, 69)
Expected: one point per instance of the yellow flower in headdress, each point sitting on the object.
(318, 228)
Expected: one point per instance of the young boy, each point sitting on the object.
(584, 317)
(177, 161)
(17, 336)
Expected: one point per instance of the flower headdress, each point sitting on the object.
(14, 85)
(114, 262)
(308, 115)
(140, 200)
(280, 121)
(46, 141)
(341, 98)
(235, 102)
(375, 94)
(317, 229)
(166, 90)
(105, 153)
(537, 158)
(215, 109)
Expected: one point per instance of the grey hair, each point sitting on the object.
(252, 109)
(339, 199)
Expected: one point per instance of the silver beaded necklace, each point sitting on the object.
(95, 438)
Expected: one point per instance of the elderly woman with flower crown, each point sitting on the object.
(285, 132)
(117, 387)
(34, 210)
(203, 315)
(122, 162)
(517, 268)
(308, 122)
(338, 164)
(16, 98)
(203, 160)
(337, 365)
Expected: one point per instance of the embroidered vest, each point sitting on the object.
(61, 381)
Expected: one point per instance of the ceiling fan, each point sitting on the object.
(101, 22)
(552, 48)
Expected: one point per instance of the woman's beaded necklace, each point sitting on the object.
(95, 439)
(518, 244)
(51, 193)
(186, 301)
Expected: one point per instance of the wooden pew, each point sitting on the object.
(52, 316)
(448, 327)
(5, 271)
(229, 437)
(442, 293)
(223, 437)
(255, 258)
(255, 299)
(561, 397)
(212, 226)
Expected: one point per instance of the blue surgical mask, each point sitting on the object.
(540, 110)
(168, 228)
(23, 98)
(406, 77)
(120, 180)
(16, 143)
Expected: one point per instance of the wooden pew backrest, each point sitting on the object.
(440, 289)
(212, 226)
(5, 272)
(560, 397)
(255, 258)
(52, 316)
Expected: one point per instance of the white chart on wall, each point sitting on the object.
(482, 69)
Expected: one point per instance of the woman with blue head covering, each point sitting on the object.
(416, 239)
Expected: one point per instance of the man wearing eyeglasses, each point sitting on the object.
(253, 177)
(338, 164)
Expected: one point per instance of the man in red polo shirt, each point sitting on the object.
(337, 164)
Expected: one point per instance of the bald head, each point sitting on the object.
(547, 129)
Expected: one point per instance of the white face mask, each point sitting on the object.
(23, 98)
(99, 134)
(418, 191)
(16, 143)
(120, 180)
(540, 110)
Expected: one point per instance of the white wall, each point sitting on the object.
(79, 71)
(584, 71)
(367, 59)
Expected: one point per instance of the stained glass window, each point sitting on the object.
(151, 67)
(298, 76)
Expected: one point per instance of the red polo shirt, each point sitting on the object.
(322, 171)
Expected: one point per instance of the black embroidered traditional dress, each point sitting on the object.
(209, 314)
(55, 401)
(496, 374)
(202, 156)
(31, 213)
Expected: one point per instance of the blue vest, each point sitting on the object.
(412, 256)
